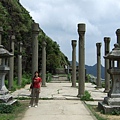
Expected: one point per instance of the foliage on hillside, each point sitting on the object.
(15, 19)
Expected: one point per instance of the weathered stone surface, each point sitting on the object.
(112, 101)
(98, 45)
(74, 43)
(81, 32)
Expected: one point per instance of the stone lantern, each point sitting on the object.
(112, 101)
(5, 97)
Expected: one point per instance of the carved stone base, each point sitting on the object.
(112, 101)
(106, 108)
(7, 99)
(109, 105)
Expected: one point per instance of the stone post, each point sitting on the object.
(98, 82)
(11, 63)
(43, 63)
(118, 36)
(107, 76)
(74, 43)
(118, 41)
(35, 31)
(20, 64)
(1, 30)
(81, 85)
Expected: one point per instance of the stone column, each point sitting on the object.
(20, 64)
(98, 82)
(118, 41)
(74, 43)
(43, 63)
(11, 63)
(107, 76)
(81, 85)
(118, 36)
(1, 30)
(35, 31)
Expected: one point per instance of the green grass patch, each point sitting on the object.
(12, 112)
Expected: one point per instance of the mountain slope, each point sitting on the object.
(15, 19)
(92, 69)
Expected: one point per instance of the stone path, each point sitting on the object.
(64, 104)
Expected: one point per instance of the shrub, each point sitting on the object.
(87, 96)
(6, 108)
(48, 77)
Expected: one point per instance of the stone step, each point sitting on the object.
(60, 81)
(11, 102)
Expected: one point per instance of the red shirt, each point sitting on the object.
(36, 82)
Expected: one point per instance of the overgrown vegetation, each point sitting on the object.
(15, 19)
(95, 111)
(11, 112)
(87, 96)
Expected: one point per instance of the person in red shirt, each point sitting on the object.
(36, 83)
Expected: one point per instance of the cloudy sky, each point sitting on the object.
(59, 19)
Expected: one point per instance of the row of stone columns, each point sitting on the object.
(81, 78)
(107, 50)
(107, 76)
(81, 68)
(35, 34)
(11, 61)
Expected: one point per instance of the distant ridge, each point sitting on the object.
(93, 70)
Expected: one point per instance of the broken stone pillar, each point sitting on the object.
(11, 63)
(98, 82)
(74, 43)
(118, 36)
(35, 30)
(107, 76)
(111, 103)
(20, 64)
(1, 30)
(81, 79)
(43, 63)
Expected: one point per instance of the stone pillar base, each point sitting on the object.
(106, 91)
(98, 87)
(109, 105)
(43, 86)
(107, 109)
(7, 99)
(73, 86)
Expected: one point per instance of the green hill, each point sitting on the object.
(15, 19)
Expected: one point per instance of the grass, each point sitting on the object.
(97, 113)
(17, 114)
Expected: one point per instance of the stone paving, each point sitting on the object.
(64, 103)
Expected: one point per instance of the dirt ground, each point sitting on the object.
(106, 116)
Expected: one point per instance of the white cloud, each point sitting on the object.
(59, 19)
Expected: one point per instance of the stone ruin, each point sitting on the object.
(112, 101)
(5, 97)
